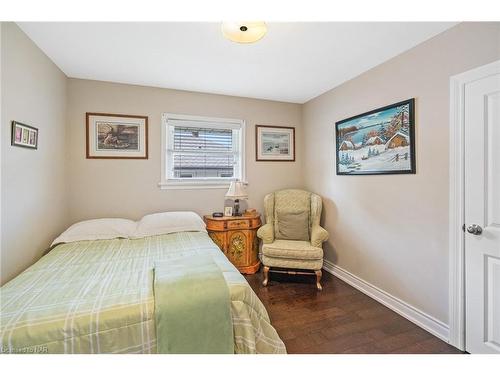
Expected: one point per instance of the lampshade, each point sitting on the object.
(236, 191)
(244, 31)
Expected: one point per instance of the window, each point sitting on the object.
(201, 152)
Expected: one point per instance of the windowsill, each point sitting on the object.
(195, 185)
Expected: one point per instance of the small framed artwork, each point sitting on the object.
(274, 143)
(24, 135)
(112, 136)
(381, 141)
(228, 211)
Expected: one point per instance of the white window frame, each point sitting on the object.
(168, 182)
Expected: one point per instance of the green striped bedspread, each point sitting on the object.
(97, 297)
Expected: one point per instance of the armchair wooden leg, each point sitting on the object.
(266, 275)
(318, 279)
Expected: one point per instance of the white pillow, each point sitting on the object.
(97, 229)
(169, 222)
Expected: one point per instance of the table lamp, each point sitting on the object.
(236, 192)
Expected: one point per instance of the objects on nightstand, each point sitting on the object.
(292, 237)
(228, 211)
(217, 214)
(237, 238)
(250, 212)
(236, 192)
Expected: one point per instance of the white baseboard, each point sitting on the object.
(423, 320)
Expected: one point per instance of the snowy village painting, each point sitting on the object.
(378, 142)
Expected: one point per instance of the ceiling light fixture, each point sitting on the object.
(244, 32)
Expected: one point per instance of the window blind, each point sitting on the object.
(204, 152)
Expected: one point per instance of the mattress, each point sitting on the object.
(97, 297)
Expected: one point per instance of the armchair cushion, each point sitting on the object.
(292, 250)
(313, 264)
(293, 225)
(290, 200)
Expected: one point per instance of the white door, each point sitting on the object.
(482, 215)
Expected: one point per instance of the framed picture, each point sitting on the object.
(381, 141)
(111, 136)
(228, 211)
(24, 135)
(274, 143)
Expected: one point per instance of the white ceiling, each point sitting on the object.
(294, 62)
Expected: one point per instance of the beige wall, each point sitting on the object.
(392, 231)
(129, 188)
(33, 196)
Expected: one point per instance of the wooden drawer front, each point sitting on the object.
(238, 224)
(215, 225)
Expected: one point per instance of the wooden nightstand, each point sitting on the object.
(236, 236)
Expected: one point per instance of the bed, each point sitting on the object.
(96, 296)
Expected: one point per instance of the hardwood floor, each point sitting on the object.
(340, 319)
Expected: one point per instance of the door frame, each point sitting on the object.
(457, 200)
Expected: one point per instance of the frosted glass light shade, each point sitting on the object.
(243, 31)
(236, 191)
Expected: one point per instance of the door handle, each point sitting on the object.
(475, 229)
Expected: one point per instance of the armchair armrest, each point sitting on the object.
(318, 235)
(266, 233)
